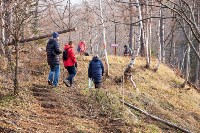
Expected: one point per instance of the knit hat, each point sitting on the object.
(55, 34)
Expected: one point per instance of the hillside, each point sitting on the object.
(39, 108)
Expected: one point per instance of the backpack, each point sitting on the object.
(65, 54)
(78, 48)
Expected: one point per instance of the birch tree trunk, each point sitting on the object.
(159, 54)
(150, 31)
(7, 24)
(141, 34)
(187, 66)
(104, 38)
(160, 39)
(131, 28)
(172, 49)
(147, 38)
(162, 35)
(2, 34)
(184, 53)
(2, 29)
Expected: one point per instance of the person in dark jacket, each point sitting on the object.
(53, 59)
(96, 71)
(70, 64)
(126, 50)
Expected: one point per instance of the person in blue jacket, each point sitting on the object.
(96, 71)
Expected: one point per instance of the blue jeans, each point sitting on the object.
(72, 72)
(54, 74)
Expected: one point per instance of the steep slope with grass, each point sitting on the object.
(40, 108)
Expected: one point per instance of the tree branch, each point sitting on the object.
(40, 37)
(190, 43)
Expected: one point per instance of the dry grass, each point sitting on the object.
(160, 94)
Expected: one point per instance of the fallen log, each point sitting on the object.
(40, 37)
(192, 85)
(155, 117)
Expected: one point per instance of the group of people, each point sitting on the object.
(95, 69)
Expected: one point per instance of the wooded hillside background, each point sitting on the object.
(168, 30)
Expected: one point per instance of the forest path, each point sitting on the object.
(60, 109)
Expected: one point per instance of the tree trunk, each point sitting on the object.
(159, 55)
(16, 82)
(36, 22)
(2, 29)
(197, 73)
(197, 77)
(172, 49)
(183, 59)
(131, 28)
(150, 32)
(161, 51)
(187, 66)
(69, 20)
(141, 48)
(171, 56)
(6, 27)
(162, 35)
(104, 39)
(147, 38)
(90, 40)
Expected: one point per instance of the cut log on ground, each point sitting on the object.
(155, 117)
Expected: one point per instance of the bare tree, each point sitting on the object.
(14, 15)
(147, 26)
(184, 10)
(104, 38)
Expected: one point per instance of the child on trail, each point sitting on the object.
(96, 71)
(53, 59)
(81, 47)
(70, 63)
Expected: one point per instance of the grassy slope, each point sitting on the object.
(99, 111)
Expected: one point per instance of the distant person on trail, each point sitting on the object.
(53, 59)
(96, 71)
(70, 63)
(81, 48)
(125, 50)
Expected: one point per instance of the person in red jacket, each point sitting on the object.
(81, 47)
(70, 64)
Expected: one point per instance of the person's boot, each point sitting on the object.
(50, 82)
(67, 83)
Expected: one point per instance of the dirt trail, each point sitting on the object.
(58, 110)
(52, 116)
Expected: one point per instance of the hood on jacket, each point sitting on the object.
(51, 41)
(95, 58)
(81, 43)
(67, 46)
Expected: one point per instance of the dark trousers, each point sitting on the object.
(97, 85)
(72, 72)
